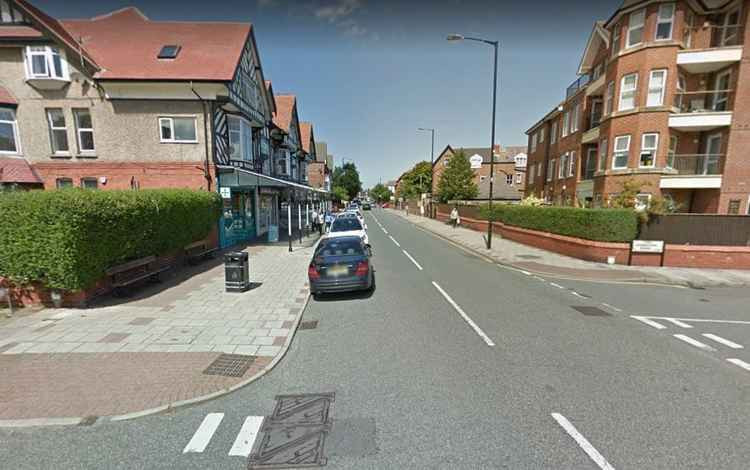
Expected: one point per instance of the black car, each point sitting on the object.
(341, 264)
(366, 206)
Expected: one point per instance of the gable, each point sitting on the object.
(247, 90)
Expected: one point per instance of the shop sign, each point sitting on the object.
(225, 192)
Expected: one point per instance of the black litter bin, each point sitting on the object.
(237, 272)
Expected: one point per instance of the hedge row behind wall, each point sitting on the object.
(608, 225)
(67, 238)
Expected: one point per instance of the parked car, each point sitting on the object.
(345, 226)
(341, 264)
(366, 206)
(356, 214)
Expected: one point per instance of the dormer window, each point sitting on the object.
(46, 62)
(169, 52)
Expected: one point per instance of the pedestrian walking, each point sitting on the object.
(314, 220)
(454, 217)
(321, 222)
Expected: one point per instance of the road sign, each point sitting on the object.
(647, 246)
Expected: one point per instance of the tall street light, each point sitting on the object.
(458, 37)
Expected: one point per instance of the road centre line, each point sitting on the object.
(648, 322)
(740, 363)
(612, 307)
(556, 285)
(677, 322)
(590, 450)
(243, 445)
(394, 241)
(694, 342)
(723, 341)
(204, 433)
(463, 314)
(412, 260)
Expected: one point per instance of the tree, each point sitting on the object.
(339, 193)
(380, 193)
(347, 177)
(457, 181)
(417, 180)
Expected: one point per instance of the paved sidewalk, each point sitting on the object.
(552, 264)
(151, 350)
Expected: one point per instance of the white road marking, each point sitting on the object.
(593, 454)
(526, 273)
(205, 432)
(539, 278)
(699, 320)
(556, 285)
(463, 314)
(678, 322)
(578, 295)
(652, 323)
(740, 362)
(412, 260)
(723, 341)
(612, 307)
(694, 342)
(394, 241)
(243, 445)
(384, 230)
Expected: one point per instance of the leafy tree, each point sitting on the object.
(347, 177)
(380, 193)
(457, 181)
(417, 180)
(339, 193)
(627, 199)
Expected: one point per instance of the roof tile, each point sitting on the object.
(17, 170)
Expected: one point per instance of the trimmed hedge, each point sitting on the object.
(67, 238)
(607, 225)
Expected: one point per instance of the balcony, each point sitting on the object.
(592, 129)
(702, 110)
(710, 48)
(573, 88)
(693, 171)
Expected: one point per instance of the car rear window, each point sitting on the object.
(340, 247)
(346, 224)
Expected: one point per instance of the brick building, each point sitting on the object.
(662, 97)
(510, 170)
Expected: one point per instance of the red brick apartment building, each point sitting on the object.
(663, 96)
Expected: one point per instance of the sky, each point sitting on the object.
(368, 73)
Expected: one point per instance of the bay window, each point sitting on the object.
(240, 139)
(635, 28)
(649, 144)
(8, 132)
(628, 86)
(46, 62)
(621, 153)
(656, 83)
(664, 22)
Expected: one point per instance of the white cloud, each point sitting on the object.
(337, 10)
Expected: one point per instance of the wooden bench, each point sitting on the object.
(134, 271)
(198, 251)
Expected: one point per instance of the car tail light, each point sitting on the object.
(363, 267)
(312, 272)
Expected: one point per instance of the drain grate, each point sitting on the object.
(591, 311)
(88, 421)
(230, 365)
(308, 325)
(294, 435)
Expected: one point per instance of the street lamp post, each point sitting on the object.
(458, 37)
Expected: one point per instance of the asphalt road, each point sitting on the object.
(456, 362)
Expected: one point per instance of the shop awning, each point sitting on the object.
(259, 179)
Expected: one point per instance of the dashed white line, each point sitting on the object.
(556, 285)
(463, 314)
(384, 230)
(648, 322)
(612, 307)
(205, 432)
(526, 272)
(723, 341)
(412, 260)
(578, 295)
(590, 450)
(740, 363)
(394, 241)
(678, 322)
(541, 279)
(246, 438)
(694, 342)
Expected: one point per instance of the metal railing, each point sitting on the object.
(701, 164)
(712, 36)
(704, 101)
(573, 88)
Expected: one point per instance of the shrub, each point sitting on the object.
(66, 239)
(610, 225)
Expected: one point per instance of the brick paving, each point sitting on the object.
(129, 355)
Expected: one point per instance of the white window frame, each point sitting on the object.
(609, 98)
(541, 135)
(674, 143)
(652, 88)
(634, 26)
(80, 130)
(49, 53)
(519, 178)
(572, 162)
(566, 124)
(53, 128)
(623, 90)
(245, 130)
(14, 125)
(553, 133)
(562, 168)
(652, 150)
(660, 20)
(574, 118)
(550, 169)
(616, 39)
(625, 152)
(603, 150)
(533, 142)
(172, 139)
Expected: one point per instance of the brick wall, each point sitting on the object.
(316, 174)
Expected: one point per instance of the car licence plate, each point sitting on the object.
(338, 270)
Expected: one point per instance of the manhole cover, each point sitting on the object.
(591, 311)
(230, 365)
(308, 325)
(294, 435)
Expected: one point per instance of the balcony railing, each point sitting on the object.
(702, 164)
(704, 101)
(573, 88)
(712, 36)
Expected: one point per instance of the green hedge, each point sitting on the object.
(608, 225)
(68, 238)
